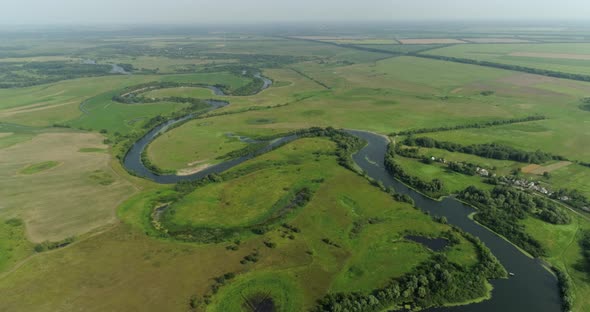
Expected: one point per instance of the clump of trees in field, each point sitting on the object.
(432, 188)
(472, 125)
(46, 245)
(433, 283)
(503, 207)
(488, 150)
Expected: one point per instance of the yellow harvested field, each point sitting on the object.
(77, 196)
(530, 168)
(550, 168)
(537, 169)
(565, 56)
(431, 41)
(32, 108)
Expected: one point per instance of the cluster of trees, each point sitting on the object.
(251, 88)
(489, 150)
(346, 144)
(46, 245)
(585, 103)
(530, 70)
(585, 245)
(247, 150)
(464, 168)
(472, 125)
(433, 188)
(503, 207)
(433, 283)
(566, 289)
(19, 75)
(403, 198)
(575, 198)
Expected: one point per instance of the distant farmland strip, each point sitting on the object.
(530, 70)
(350, 46)
(310, 78)
(473, 125)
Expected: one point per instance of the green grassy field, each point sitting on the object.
(187, 270)
(563, 57)
(564, 252)
(239, 202)
(453, 181)
(182, 92)
(66, 182)
(39, 167)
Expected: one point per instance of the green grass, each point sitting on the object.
(304, 267)
(562, 135)
(285, 292)
(239, 202)
(225, 78)
(182, 92)
(14, 245)
(57, 102)
(393, 95)
(500, 167)
(453, 182)
(39, 167)
(92, 150)
(101, 177)
(572, 177)
(564, 252)
(198, 143)
(501, 53)
(385, 95)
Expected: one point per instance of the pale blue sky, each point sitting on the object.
(239, 11)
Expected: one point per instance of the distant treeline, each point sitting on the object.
(192, 51)
(502, 208)
(472, 125)
(489, 150)
(433, 283)
(20, 75)
(530, 70)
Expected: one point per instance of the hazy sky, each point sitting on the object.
(224, 11)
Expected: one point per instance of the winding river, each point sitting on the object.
(532, 288)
